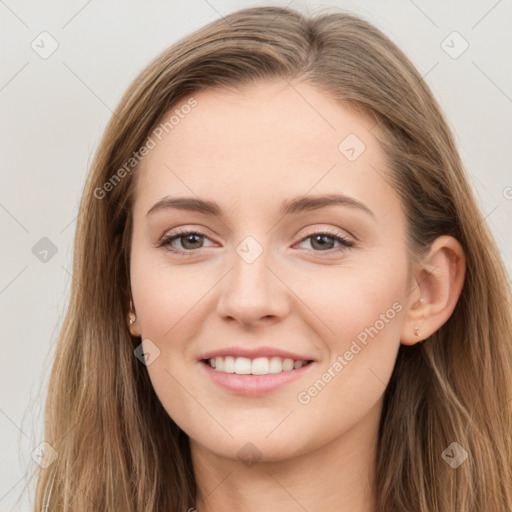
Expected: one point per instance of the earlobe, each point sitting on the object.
(438, 284)
(132, 322)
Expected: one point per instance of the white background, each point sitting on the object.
(54, 111)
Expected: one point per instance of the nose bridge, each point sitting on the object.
(252, 291)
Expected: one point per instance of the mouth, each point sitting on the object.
(256, 366)
(252, 377)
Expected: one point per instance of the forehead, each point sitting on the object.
(308, 124)
(263, 143)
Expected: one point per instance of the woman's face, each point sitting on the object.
(265, 278)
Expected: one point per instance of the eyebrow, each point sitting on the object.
(288, 206)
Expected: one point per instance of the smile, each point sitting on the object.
(254, 377)
(256, 366)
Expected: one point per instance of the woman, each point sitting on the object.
(285, 295)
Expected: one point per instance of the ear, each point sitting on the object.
(436, 288)
(132, 322)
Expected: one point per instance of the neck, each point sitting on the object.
(337, 476)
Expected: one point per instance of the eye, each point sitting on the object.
(320, 239)
(189, 240)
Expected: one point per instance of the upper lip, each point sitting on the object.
(253, 353)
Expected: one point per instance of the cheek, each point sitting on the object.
(168, 302)
(362, 352)
(359, 313)
(167, 297)
(171, 303)
(357, 299)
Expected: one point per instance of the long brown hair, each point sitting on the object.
(118, 449)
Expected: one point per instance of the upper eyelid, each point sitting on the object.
(200, 231)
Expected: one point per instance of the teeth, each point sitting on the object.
(287, 365)
(242, 365)
(258, 366)
(228, 364)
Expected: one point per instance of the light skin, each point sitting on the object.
(249, 151)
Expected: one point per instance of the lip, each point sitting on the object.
(253, 353)
(253, 385)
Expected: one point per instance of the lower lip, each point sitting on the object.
(254, 385)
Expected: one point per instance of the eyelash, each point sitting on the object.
(167, 240)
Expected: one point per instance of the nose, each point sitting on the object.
(253, 293)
